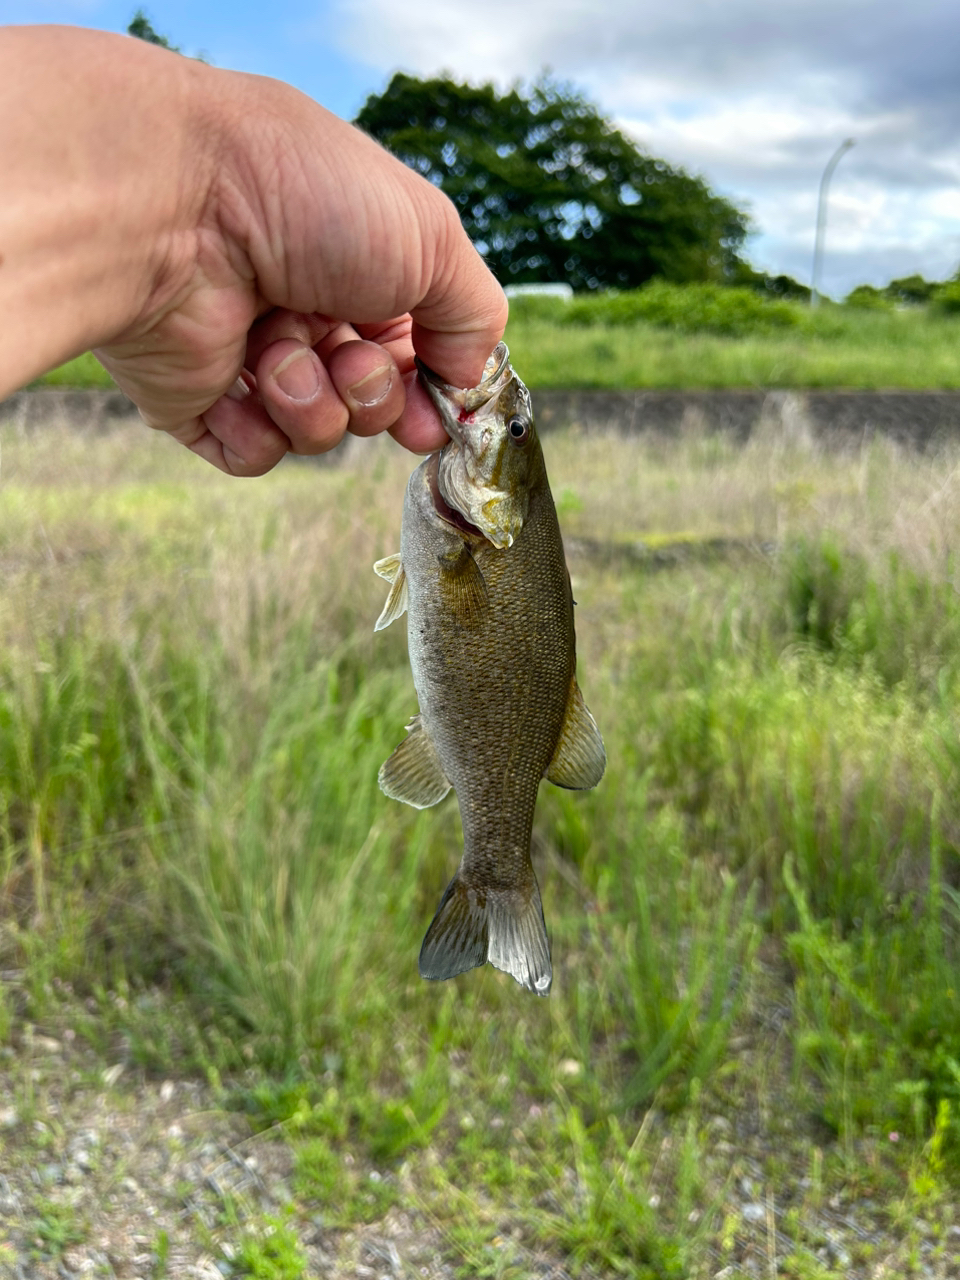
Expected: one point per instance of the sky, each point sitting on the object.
(752, 95)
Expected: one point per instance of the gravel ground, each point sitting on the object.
(108, 1173)
(155, 1179)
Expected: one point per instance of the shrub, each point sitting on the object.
(537, 306)
(866, 298)
(911, 291)
(692, 308)
(947, 297)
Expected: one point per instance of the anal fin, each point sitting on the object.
(413, 773)
(579, 758)
(391, 568)
(502, 926)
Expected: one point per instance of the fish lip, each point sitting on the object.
(500, 356)
(452, 402)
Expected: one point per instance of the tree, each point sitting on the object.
(141, 27)
(549, 190)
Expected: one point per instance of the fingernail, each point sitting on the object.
(239, 390)
(297, 376)
(373, 388)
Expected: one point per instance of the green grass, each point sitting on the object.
(758, 908)
(707, 336)
(84, 371)
(859, 350)
(702, 336)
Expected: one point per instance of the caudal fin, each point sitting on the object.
(504, 926)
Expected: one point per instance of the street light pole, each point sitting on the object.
(832, 163)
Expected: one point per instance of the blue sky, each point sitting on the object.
(754, 95)
(295, 41)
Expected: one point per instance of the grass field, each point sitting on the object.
(85, 371)
(751, 1055)
(579, 345)
(870, 352)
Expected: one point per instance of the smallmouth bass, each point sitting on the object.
(482, 577)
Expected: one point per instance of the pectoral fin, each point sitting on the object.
(414, 773)
(391, 568)
(463, 586)
(579, 760)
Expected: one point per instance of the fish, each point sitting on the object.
(482, 577)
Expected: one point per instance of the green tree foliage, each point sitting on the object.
(549, 190)
(910, 290)
(141, 27)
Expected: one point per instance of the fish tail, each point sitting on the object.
(504, 926)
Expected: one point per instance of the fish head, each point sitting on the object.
(486, 470)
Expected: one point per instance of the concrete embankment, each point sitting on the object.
(842, 418)
(921, 419)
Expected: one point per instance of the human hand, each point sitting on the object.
(321, 265)
(284, 270)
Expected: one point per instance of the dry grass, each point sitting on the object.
(878, 498)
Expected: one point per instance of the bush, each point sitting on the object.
(781, 286)
(692, 308)
(912, 291)
(947, 298)
(866, 298)
(527, 307)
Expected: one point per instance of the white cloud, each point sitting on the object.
(753, 96)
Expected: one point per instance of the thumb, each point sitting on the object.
(463, 312)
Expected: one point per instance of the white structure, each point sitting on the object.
(564, 291)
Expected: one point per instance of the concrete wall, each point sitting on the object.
(842, 418)
(87, 410)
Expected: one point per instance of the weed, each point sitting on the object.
(55, 1228)
(606, 1220)
(161, 1255)
(885, 1041)
(271, 1252)
(343, 1194)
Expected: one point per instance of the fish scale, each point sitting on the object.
(483, 578)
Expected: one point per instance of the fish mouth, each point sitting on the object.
(469, 416)
(457, 405)
(443, 509)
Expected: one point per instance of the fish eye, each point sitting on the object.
(519, 430)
